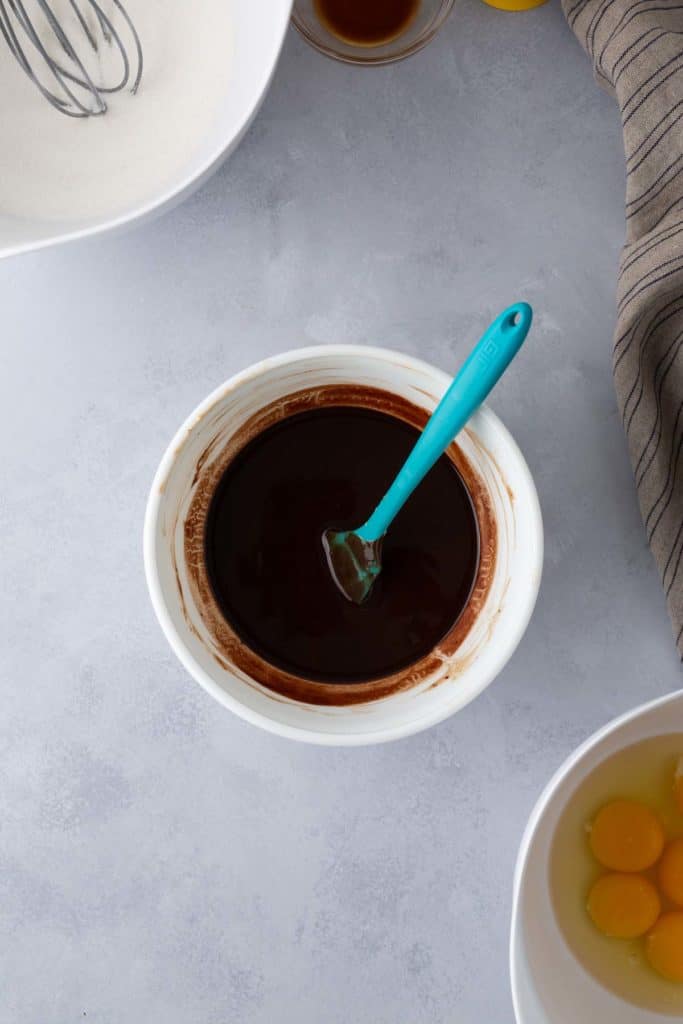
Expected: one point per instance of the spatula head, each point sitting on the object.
(354, 563)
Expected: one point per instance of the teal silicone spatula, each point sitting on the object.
(355, 556)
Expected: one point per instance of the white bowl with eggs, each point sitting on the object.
(207, 66)
(552, 983)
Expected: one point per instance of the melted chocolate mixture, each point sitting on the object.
(266, 563)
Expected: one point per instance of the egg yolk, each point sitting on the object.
(626, 836)
(623, 906)
(664, 946)
(678, 785)
(671, 872)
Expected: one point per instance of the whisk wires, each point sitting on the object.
(57, 61)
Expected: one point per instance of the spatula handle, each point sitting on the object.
(479, 374)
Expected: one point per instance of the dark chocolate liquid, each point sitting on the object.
(366, 22)
(267, 566)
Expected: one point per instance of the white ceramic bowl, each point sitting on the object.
(549, 985)
(496, 630)
(257, 33)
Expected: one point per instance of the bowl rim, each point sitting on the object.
(523, 609)
(539, 810)
(186, 183)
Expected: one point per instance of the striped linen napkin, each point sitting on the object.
(637, 51)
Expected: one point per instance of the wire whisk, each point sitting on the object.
(77, 57)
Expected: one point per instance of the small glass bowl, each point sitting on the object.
(430, 17)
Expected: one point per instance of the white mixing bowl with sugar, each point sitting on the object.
(207, 69)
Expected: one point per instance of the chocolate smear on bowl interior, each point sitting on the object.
(258, 573)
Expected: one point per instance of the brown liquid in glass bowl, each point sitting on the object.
(366, 22)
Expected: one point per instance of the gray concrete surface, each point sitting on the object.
(160, 860)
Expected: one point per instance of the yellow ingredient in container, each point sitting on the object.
(514, 5)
